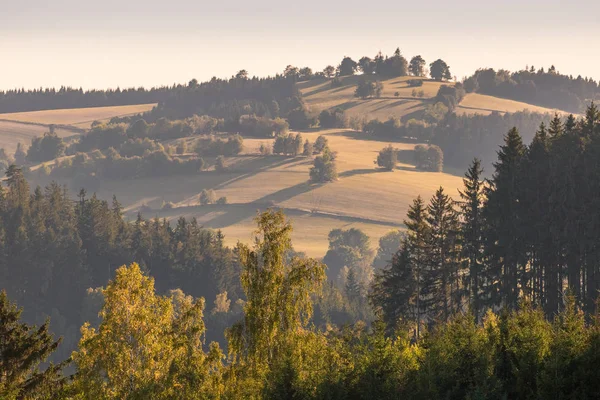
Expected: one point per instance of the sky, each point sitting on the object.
(125, 43)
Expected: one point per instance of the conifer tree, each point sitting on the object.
(394, 290)
(471, 205)
(22, 349)
(443, 287)
(418, 235)
(503, 215)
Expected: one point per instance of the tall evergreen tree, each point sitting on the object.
(472, 199)
(23, 349)
(418, 234)
(443, 287)
(503, 215)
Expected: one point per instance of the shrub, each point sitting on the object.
(320, 143)
(220, 164)
(430, 158)
(207, 197)
(332, 119)
(262, 126)
(414, 82)
(387, 158)
(222, 200)
(308, 149)
(265, 150)
(289, 144)
(46, 148)
(138, 147)
(396, 94)
(366, 89)
(324, 168)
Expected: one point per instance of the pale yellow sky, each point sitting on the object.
(134, 43)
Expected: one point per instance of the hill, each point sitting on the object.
(363, 197)
(78, 117)
(320, 95)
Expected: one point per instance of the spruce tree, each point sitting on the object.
(23, 349)
(503, 214)
(418, 235)
(471, 230)
(394, 290)
(443, 287)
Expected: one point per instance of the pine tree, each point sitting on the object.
(22, 349)
(503, 215)
(443, 287)
(472, 233)
(418, 234)
(394, 291)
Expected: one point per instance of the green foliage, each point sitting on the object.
(324, 168)
(146, 345)
(321, 143)
(220, 165)
(429, 158)
(308, 149)
(329, 119)
(366, 89)
(417, 66)
(387, 158)
(439, 70)
(289, 144)
(278, 292)
(46, 148)
(23, 349)
(207, 196)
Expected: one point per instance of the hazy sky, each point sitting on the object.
(110, 43)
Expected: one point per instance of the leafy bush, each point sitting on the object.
(324, 168)
(222, 200)
(207, 196)
(429, 158)
(46, 148)
(387, 158)
(320, 144)
(414, 82)
(220, 164)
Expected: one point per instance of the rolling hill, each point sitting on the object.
(363, 197)
(319, 95)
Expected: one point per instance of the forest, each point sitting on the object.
(490, 295)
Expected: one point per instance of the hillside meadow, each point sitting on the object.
(397, 100)
(78, 117)
(364, 196)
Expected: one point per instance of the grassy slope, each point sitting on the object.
(363, 197)
(320, 96)
(475, 103)
(80, 117)
(12, 133)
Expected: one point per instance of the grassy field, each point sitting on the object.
(319, 95)
(363, 197)
(12, 133)
(80, 117)
(475, 103)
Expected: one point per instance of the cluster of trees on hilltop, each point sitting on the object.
(385, 66)
(149, 345)
(545, 88)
